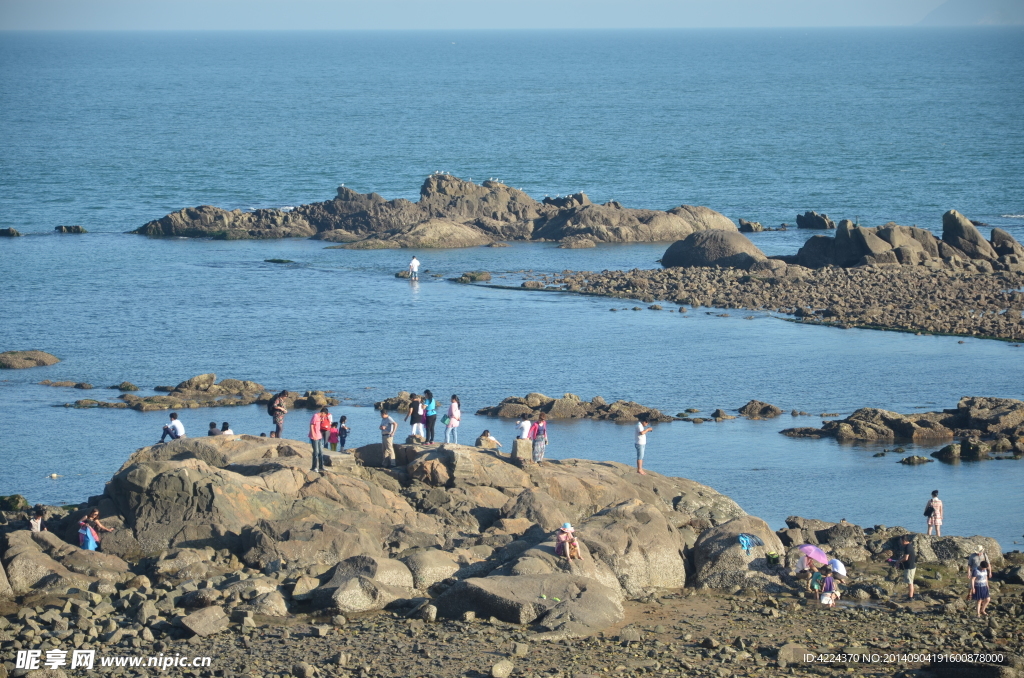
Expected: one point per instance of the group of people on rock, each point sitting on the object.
(536, 431)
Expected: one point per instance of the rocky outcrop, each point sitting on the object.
(721, 561)
(70, 229)
(570, 406)
(19, 360)
(729, 249)
(756, 409)
(9, 233)
(962, 247)
(999, 419)
(213, 222)
(814, 220)
(451, 212)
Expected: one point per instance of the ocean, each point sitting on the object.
(112, 130)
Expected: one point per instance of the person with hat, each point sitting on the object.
(566, 544)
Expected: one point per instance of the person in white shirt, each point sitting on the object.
(838, 569)
(414, 269)
(225, 430)
(175, 429)
(523, 428)
(640, 441)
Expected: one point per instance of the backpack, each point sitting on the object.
(928, 511)
(270, 407)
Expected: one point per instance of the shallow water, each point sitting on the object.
(159, 311)
(112, 130)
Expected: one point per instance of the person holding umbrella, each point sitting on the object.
(810, 560)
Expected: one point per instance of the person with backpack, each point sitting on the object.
(429, 415)
(325, 425)
(539, 436)
(933, 512)
(277, 410)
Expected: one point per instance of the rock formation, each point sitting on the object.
(451, 212)
(998, 419)
(19, 360)
(729, 249)
(9, 233)
(570, 406)
(961, 247)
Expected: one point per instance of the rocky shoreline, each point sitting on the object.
(228, 547)
(909, 299)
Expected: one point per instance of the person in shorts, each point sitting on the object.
(640, 441)
(388, 426)
(909, 563)
(933, 509)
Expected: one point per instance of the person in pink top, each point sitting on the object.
(316, 438)
(454, 417)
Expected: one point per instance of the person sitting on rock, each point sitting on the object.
(175, 429)
(523, 428)
(89, 529)
(225, 430)
(838, 569)
(566, 544)
(214, 429)
(38, 522)
(486, 437)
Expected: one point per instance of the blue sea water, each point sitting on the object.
(111, 130)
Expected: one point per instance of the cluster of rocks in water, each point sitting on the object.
(219, 540)
(200, 391)
(451, 212)
(988, 428)
(913, 299)
(570, 406)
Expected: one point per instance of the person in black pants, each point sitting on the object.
(430, 410)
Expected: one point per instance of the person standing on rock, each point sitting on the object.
(175, 429)
(316, 439)
(933, 510)
(640, 441)
(277, 410)
(415, 417)
(452, 420)
(539, 436)
(429, 414)
(979, 587)
(414, 269)
(388, 426)
(325, 425)
(909, 563)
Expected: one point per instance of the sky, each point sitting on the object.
(462, 14)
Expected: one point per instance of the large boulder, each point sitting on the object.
(40, 561)
(959, 232)
(721, 562)
(817, 252)
(814, 220)
(1005, 244)
(19, 360)
(729, 249)
(525, 599)
(640, 546)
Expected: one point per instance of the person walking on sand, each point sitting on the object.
(175, 429)
(429, 415)
(316, 439)
(414, 269)
(89, 529)
(909, 563)
(415, 417)
(933, 510)
(452, 420)
(640, 441)
(388, 426)
(979, 587)
(277, 410)
(539, 436)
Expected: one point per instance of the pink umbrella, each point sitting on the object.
(813, 552)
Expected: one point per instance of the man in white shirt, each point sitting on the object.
(175, 429)
(523, 428)
(414, 269)
(640, 441)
